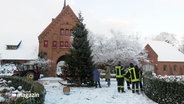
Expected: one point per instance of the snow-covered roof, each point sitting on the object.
(27, 49)
(166, 52)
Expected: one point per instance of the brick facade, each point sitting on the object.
(55, 40)
(163, 67)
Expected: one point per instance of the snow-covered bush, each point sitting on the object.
(21, 91)
(171, 78)
(164, 89)
(43, 63)
(7, 69)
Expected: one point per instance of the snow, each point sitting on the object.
(166, 52)
(26, 50)
(7, 69)
(2, 99)
(116, 48)
(84, 95)
(170, 78)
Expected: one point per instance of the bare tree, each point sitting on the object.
(181, 46)
(167, 37)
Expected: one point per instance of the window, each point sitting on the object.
(66, 44)
(54, 44)
(67, 32)
(62, 32)
(45, 43)
(71, 32)
(175, 68)
(165, 67)
(61, 44)
(11, 47)
(149, 57)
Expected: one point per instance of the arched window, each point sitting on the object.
(61, 44)
(54, 44)
(67, 32)
(62, 32)
(66, 43)
(45, 43)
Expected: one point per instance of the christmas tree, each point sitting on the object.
(79, 65)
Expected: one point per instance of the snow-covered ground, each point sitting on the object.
(83, 95)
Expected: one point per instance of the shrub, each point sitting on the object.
(27, 85)
(163, 92)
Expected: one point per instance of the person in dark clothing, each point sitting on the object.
(140, 79)
(108, 75)
(134, 75)
(96, 77)
(120, 77)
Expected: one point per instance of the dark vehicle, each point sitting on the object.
(28, 70)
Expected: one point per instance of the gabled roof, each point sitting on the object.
(166, 52)
(60, 16)
(25, 51)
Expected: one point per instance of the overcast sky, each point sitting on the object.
(145, 17)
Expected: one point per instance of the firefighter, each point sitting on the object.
(120, 77)
(134, 76)
(127, 78)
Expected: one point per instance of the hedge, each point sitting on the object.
(27, 85)
(163, 92)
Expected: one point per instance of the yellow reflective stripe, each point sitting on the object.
(117, 67)
(130, 70)
(134, 73)
(120, 86)
(118, 72)
(135, 77)
(135, 80)
(127, 79)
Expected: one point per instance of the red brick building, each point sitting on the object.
(55, 40)
(164, 59)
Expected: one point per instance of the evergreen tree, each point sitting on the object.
(79, 64)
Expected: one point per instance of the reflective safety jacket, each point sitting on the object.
(134, 74)
(127, 76)
(119, 72)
